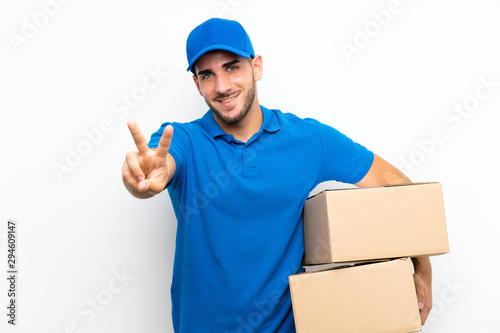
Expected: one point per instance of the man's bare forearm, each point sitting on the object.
(383, 173)
(423, 266)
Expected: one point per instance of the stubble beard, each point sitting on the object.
(250, 97)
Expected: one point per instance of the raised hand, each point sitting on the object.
(147, 171)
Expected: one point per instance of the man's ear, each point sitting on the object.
(195, 78)
(257, 67)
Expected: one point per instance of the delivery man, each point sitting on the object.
(238, 178)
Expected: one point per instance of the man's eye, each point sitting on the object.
(231, 68)
(206, 76)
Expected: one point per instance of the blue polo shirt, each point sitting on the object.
(239, 217)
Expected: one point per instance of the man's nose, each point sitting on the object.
(222, 84)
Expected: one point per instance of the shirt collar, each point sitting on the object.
(210, 125)
(270, 123)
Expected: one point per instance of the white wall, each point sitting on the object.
(78, 228)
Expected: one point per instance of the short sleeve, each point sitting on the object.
(343, 159)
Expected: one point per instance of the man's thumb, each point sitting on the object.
(143, 186)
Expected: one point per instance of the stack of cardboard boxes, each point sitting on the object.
(378, 229)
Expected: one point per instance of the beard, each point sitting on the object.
(249, 98)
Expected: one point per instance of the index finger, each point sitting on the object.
(165, 140)
(140, 141)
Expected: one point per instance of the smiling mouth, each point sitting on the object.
(227, 99)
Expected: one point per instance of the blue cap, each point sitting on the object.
(218, 34)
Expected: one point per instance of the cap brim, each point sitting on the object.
(222, 47)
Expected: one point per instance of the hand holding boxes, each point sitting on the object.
(365, 224)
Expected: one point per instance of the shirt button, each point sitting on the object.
(246, 149)
(228, 141)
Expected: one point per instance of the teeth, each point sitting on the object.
(227, 100)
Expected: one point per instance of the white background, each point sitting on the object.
(78, 227)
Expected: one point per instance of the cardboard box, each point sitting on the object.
(371, 223)
(375, 297)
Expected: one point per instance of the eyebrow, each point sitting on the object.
(227, 64)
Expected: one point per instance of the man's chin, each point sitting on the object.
(229, 120)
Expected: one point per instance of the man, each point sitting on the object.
(238, 178)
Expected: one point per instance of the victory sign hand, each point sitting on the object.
(148, 170)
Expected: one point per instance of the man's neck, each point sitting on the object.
(246, 127)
